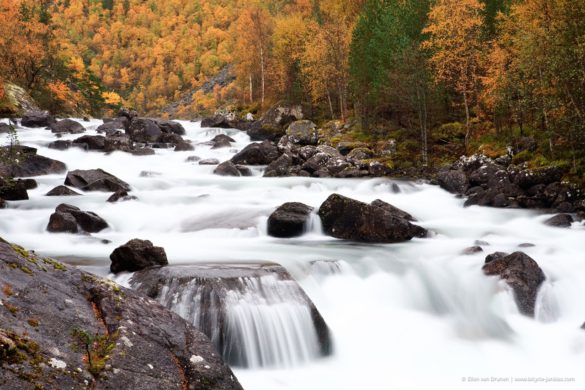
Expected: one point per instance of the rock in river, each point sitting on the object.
(71, 219)
(136, 255)
(289, 220)
(350, 219)
(95, 180)
(522, 274)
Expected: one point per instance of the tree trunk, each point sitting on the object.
(330, 104)
(262, 73)
(467, 122)
(251, 90)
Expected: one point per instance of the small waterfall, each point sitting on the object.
(253, 320)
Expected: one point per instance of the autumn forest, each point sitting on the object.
(442, 77)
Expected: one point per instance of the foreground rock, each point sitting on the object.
(95, 180)
(37, 119)
(71, 219)
(45, 345)
(350, 219)
(136, 255)
(25, 162)
(228, 168)
(521, 273)
(222, 300)
(289, 220)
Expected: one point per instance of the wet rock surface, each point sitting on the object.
(71, 219)
(350, 219)
(209, 290)
(134, 342)
(499, 183)
(289, 220)
(521, 273)
(136, 255)
(95, 180)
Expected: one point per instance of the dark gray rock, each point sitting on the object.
(393, 210)
(221, 141)
(303, 132)
(71, 219)
(350, 219)
(280, 167)
(67, 126)
(62, 191)
(454, 181)
(170, 127)
(30, 164)
(257, 154)
(136, 255)
(58, 312)
(560, 220)
(37, 119)
(60, 144)
(227, 168)
(113, 126)
(93, 142)
(144, 130)
(95, 180)
(121, 196)
(522, 274)
(184, 147)
(289, 220)
(13, 190)
(528, 178)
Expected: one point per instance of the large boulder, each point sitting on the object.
(226, 308)
(112, 126)
(522, 274)
(528, 178)
(289, 220)
(136, 255)
(257, 154)
(67, 126)
(454, 181)
(37, 119)
(68, 329)
(27, 163)
(144, 130)
(273, 124)
(221, 141)
(303, 132)
(95, 180)
(71, 219)
(350, 219)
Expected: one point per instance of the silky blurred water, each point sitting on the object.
(403, 316)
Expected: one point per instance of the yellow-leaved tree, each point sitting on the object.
(455, 39)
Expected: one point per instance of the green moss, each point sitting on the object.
(26, 270)
(97, 349)
(56, 265)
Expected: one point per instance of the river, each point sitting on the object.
(402, 316)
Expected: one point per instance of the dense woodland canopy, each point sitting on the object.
(427, 72)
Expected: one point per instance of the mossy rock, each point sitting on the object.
(16, 101)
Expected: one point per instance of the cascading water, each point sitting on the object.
(405, 316)
(261, 319)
